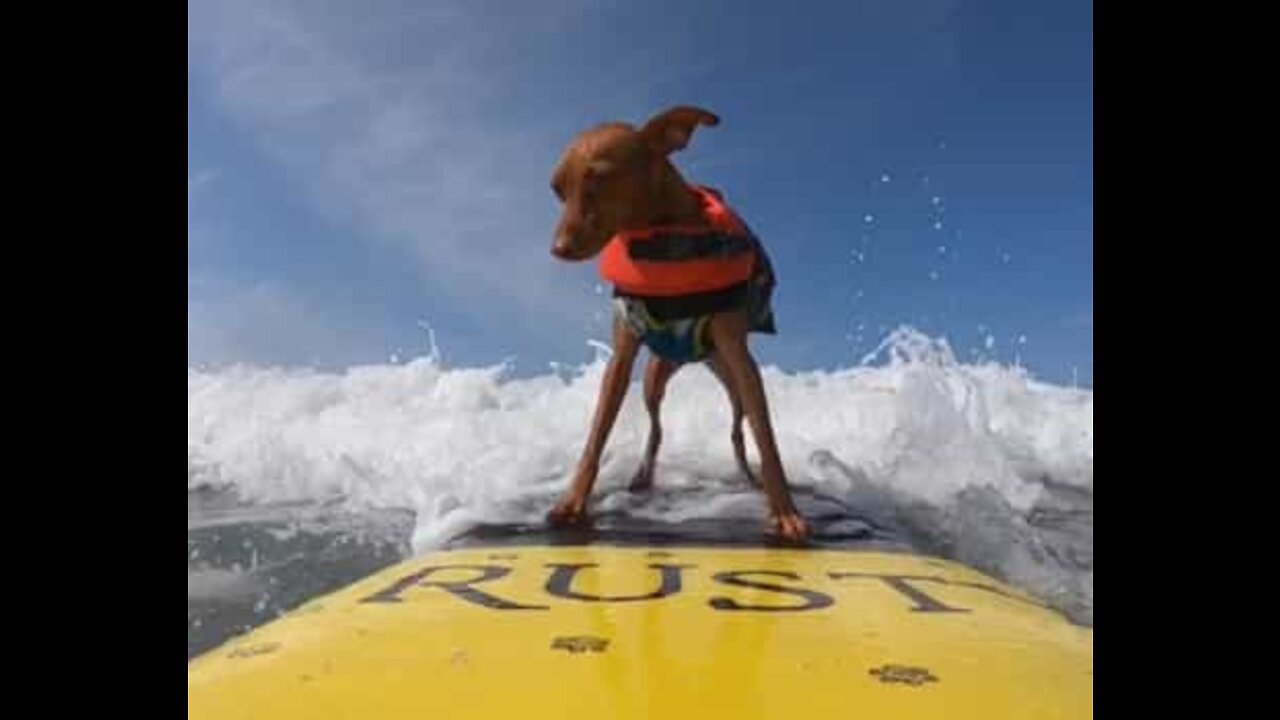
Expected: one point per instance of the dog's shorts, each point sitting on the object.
(683, 337)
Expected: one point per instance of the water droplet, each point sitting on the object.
(990, 342)
(942, 249)
(1005, 258)
(937, 200)
(869, 218)
(937, 225)
(884, 178)
(933, 274)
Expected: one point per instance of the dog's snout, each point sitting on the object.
(564, 247)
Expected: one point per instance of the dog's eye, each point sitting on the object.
(558, 190)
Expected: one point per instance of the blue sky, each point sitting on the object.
(359, 171)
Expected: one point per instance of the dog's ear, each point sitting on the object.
(670, 130)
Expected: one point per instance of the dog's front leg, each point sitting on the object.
(729, 335)
(572, 507)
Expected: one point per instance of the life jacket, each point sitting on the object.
(674, 260)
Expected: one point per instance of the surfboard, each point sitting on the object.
(643, 619)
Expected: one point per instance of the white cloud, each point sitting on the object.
(407, 137)
(264, 324)
(1083, 318)
(430, 128)
(198, 182)
(199, 231)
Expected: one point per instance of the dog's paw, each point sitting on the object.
(643, 480)
(568, 512)
(790, 526)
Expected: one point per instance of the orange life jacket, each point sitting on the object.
(675, 260)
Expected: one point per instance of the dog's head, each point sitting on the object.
(614, 178)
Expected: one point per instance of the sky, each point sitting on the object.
(367, 181)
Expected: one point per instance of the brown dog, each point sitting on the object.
(616, 179)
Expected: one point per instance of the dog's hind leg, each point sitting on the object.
(716, 365)
(656, 375)
(729, 337)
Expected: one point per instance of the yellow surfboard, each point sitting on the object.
(531, 629)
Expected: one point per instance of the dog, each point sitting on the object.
(690, 282)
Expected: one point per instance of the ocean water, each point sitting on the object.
(299, 482)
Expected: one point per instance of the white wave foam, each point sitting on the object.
(463, 444)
